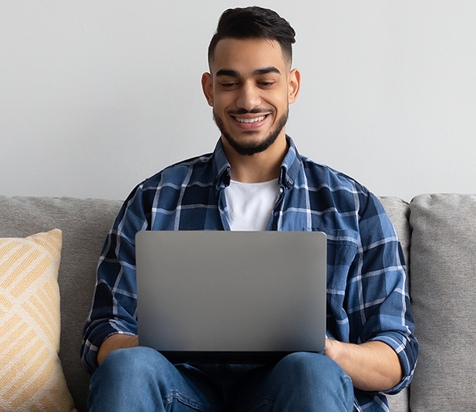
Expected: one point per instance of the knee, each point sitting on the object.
(312, 369)
(312, 379)
(132, 361)
(306, 362)
(122, 376)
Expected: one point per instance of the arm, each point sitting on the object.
(113, 311)
(369, 305)
(383, 355)
(373, 366)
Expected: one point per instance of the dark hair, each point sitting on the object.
(253, 22)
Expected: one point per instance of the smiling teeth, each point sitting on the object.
(256, 119)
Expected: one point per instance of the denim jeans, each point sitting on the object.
(141, 379)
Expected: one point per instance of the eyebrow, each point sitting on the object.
(257, 72)
(266, 70)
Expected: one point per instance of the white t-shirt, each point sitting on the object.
(250, 204)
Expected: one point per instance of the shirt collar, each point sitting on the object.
(289, 168)
(223, 168)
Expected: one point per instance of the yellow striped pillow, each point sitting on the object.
(31, 376)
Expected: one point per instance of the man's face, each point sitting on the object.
(250, 87)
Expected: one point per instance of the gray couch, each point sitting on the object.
(438, 235)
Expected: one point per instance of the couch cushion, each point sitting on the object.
(443, 269)
(30, 368)
(84, 223)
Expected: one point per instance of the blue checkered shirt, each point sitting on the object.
(367, 296)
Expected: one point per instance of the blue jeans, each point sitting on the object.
(141, 379)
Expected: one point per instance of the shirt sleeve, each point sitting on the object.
(114, 303)
(384, 307)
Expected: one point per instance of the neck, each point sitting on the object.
(260, 167)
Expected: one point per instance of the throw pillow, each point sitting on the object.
(31, 375)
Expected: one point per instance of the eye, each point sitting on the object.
(266, 81)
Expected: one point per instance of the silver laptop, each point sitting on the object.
(231, 297)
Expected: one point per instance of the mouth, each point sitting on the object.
(250, 121)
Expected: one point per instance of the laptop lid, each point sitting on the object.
(231, 297)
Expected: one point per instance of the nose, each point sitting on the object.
(248, 97)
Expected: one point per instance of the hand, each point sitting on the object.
(332, 348)
(373, 366)
(118, 341)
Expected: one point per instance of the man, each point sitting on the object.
(256, 180)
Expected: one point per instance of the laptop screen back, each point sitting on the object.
(219, 296)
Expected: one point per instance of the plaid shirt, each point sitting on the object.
(367, 296)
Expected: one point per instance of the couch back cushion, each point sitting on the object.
(443, 285)
(84, 224)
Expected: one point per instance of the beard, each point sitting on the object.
(251, 148)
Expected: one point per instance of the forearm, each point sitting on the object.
(373, 366)
(118, 341)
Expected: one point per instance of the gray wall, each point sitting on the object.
(97, 95)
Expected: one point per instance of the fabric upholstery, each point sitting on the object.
(84, 223)
(443, 261)
(30, 370)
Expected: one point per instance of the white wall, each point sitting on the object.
(96, 95)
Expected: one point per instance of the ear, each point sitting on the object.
(294, 84)
(207, 87)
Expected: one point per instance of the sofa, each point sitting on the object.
(437, 233)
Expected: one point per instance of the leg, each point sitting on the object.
(299, 382)
(141, 379)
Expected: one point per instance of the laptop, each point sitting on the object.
(231, 296)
